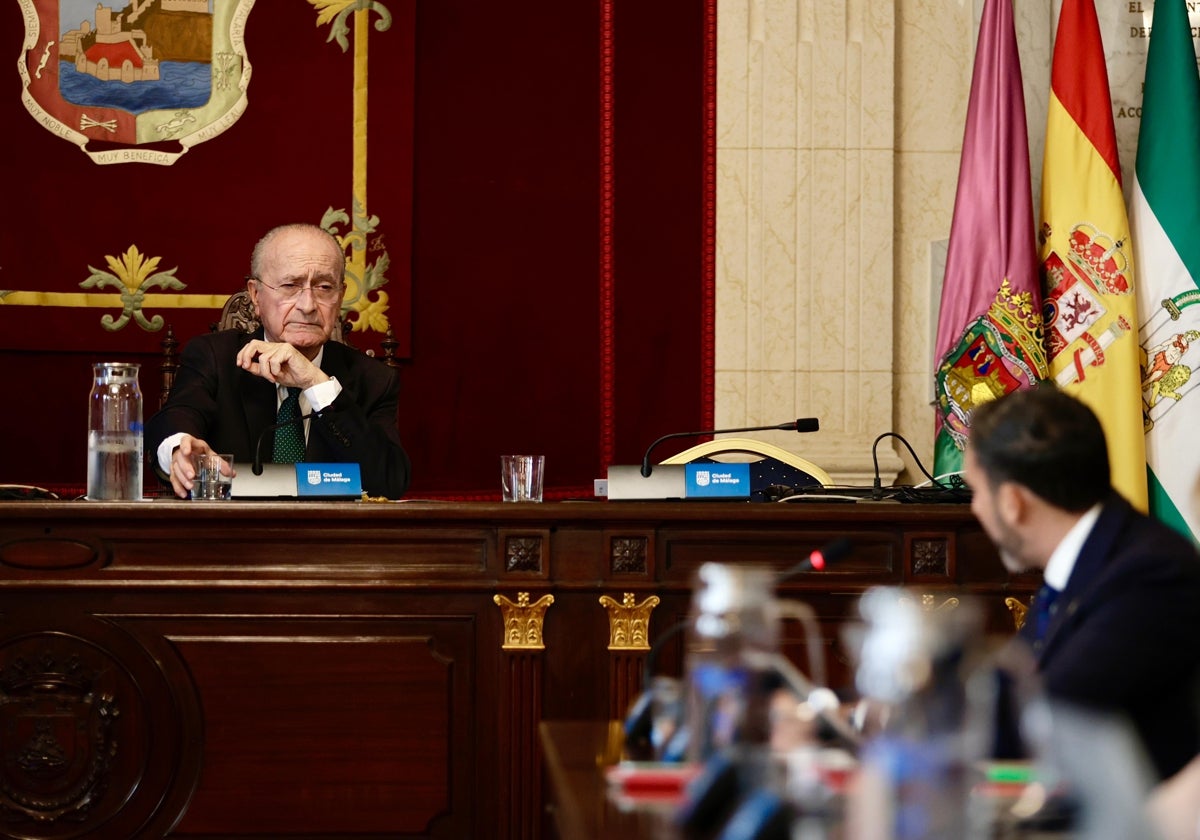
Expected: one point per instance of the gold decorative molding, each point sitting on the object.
(1018, 608)
(523, 621)
(629, 623)
(929, 603)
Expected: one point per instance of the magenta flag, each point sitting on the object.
(989, 338)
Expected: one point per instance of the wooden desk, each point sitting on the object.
(584, 807)
(576, 754)
(323, 669)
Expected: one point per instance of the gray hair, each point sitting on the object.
(256, 258)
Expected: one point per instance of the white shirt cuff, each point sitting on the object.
(165, 449)
(322, 395)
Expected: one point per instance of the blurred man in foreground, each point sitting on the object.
(1117, 626)
(231, 386)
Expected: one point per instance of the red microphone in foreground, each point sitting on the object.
(821, 557)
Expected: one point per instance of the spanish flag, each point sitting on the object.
(989, 338)
(1086, 253)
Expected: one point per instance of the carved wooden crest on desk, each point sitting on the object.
(59, 736)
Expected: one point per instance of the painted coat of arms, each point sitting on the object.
(1081, 304)
(996, 354)
(142, 82)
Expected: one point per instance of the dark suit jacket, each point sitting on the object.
(215, 400)
(1125, 634)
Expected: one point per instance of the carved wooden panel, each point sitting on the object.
(373, 708)
(525, 551)
(91, 731)
(930, 556)
(520, 782)
(628, 555)
(523, 554)
(63, 728)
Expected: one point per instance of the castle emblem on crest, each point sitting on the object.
(142, 82)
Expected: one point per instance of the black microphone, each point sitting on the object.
(257, 466)
(804, 424)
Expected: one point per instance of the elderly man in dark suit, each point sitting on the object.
(232, 386)
(1116, 627)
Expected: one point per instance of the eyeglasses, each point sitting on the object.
(322, 292)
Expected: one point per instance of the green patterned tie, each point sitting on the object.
(289, 439)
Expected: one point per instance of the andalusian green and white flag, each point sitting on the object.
(1164, 220)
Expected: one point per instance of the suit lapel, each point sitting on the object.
(259, 404)
(1089, 568)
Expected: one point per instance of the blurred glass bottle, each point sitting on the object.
(919, 663)
(733, 630)
(114, 469)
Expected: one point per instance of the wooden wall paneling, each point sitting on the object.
(329, 726)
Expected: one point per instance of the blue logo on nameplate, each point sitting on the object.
(717, 481)
(327, 480)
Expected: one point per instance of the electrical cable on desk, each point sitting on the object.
(823, 493)
(937, 492)
(932, 495)
(903, 493)
(952, 479)
(899, 437)
(947, 488)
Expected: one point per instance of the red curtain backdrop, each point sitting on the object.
(488, 159)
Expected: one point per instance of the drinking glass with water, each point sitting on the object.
(214, 476)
